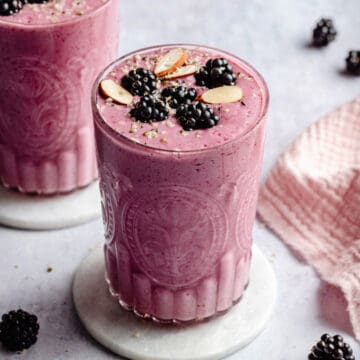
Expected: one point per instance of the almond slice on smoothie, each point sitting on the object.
(222, 95)
(168, 63)
(182, 71)
(111, 89)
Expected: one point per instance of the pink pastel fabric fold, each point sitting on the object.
(311, 200)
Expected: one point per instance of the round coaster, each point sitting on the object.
(36, 212)
(125, 334)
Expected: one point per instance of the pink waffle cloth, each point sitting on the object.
(311, 200)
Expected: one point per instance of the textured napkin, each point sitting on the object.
(311, 199)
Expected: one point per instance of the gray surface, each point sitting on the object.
(304, 83)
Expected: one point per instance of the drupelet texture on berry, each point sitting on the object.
(149, 109)
(18, 330)
(196, 116)
(331, 348)
(139, 82)
(353, 62)
(217, 72)
(10, 7)
(324, 32)
(178, 95)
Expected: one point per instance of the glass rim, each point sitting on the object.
(102, 123)
(22, 26)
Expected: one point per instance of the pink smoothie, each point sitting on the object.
(179, 206)
(49, 57)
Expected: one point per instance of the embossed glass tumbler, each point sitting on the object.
(50, 54)
(178, 223)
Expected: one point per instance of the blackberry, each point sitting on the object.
(196, 116)
(139, 82)
(18, 330)
(331, 348)
(10, 7)
(324, 32)
(216, 72)
(353, 62)
(177, 95)
(149, 109)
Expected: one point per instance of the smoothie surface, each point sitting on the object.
(235, 119)
(54, 11)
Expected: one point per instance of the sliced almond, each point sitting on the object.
(170, 61)
(222, 95)
(111, 89)
(183, 71)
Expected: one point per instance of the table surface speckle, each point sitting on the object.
(305, 83)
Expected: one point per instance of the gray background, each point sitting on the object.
(305, 83)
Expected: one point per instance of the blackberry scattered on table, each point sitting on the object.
(18, 330)
(353, 62)
(178, 95)
(324, 32)
(196, 116)
(139, 82)
(216, 72)
(10, 7)
(149, 109)
(331, 348)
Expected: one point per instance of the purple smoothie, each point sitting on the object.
(49, 57)
(179, 206)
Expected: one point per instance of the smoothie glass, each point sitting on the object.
(47, 68)
(178, 224)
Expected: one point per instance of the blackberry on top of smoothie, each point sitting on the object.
(180, 98)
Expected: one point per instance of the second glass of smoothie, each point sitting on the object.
(179, 134)
(50, 54)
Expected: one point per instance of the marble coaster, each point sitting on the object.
(35, 212)
(134, 338)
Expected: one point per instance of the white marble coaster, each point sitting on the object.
(49, 212)
(126, 335)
